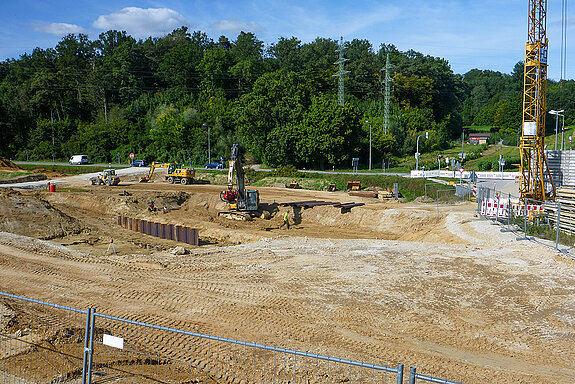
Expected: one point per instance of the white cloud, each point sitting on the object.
(142, 23)
(236, 26)
(58, 29)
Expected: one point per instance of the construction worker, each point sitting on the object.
(286, 220)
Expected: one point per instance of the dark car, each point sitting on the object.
(214, 166)
(138, 163)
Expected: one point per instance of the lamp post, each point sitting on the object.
(557, 114)
(209, 149)
(367, 122)
(562, 130)
(417, 151)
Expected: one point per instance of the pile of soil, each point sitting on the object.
(7, 164)
(31, 215)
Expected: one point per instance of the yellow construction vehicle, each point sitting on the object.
(107, 176)
(176, 173)
(242, 203)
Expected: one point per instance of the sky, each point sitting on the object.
(484, 34)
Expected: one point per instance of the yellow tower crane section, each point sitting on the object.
(534, 172)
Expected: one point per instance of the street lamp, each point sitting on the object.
(562, 131)
(557, 114)
(209, 149)
(417, 151)
(367, 122)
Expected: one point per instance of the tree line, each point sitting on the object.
(169, 98)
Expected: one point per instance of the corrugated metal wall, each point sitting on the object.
(163, 231)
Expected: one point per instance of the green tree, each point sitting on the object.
(279, 99)
(329, 133)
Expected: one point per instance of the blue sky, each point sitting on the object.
(485, 34)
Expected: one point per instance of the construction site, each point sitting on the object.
(339, 275)
(383, 282)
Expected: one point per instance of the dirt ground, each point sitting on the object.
(385, 283)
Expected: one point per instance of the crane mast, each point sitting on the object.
(534, 166)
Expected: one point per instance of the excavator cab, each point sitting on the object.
(251, 201)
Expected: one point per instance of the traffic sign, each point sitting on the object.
(131, 155)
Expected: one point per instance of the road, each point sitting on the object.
(124, 173)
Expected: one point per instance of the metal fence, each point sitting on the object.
(40, 342)
(48, 343)
(527, 217)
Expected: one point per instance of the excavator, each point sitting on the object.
(176, 173)
(242, 203)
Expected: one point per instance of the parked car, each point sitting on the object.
(215, 166)
(78, 159)
(138, 163)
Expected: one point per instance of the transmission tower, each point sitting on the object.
(387, 96)
(341, 73)
(534, 166)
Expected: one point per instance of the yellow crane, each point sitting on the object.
(534, 172)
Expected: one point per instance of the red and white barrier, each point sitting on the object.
(497, 207)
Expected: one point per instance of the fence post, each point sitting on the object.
(498, 196)
(557, 224)
(508, 212)
(86, 345)
(91, 346)
(412, 375)
(479, 198)
(400, 373)
(525, 217)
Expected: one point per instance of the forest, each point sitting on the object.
(173, 97)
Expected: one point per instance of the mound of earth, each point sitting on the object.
(7, 164)
(33, 216)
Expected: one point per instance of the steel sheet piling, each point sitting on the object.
(174, 232)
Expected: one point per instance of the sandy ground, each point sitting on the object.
(385, 283)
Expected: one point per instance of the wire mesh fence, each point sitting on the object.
(136, 352)
(47, 343)
(40, 342)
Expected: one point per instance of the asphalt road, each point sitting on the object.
(504, 186)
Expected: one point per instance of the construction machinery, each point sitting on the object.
(535, 180)
(242, 203)
(107, 176)
(176, 173)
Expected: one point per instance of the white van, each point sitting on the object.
(78, 159)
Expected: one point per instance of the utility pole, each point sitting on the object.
(387, 97)
(342, 72)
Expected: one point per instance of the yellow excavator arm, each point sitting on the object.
(153, 167)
